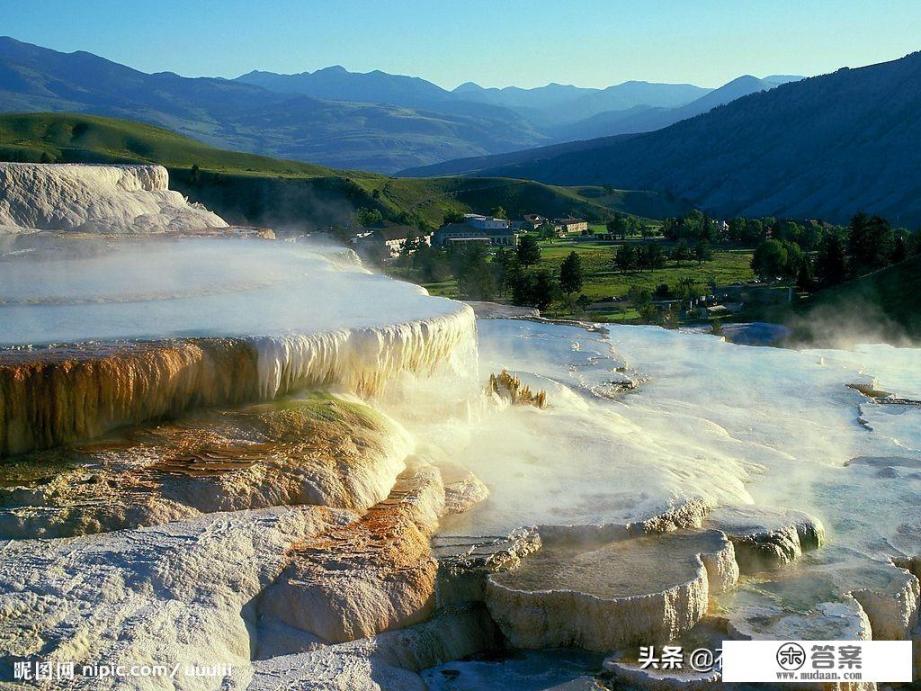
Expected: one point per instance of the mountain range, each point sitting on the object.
(824, 147)
(561, 112)
(373, 121)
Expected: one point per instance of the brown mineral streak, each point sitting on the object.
(54, 397)
(60, 395)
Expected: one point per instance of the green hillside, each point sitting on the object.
(246, 188)
(73, 138)
(885, 304)
(824, 147)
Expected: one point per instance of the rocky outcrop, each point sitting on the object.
(372, 575)
(363, 360)
(843, 620)
(315, 449)
(610, 587)
(171, 593)
(767, 538)
(97, 198)
(463, 489)
(465, 563)
(55, 396)
(224, 588)
(890, 596)
(388, 660)
(686, 514)
(839, 600)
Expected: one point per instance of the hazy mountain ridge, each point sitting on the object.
(250, 118)
(823, 147)
(561, 112)
(374, 121)
(558, 104)
(649, 118)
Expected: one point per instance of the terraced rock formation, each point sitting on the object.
(603, 593)
(96, 198)
(312, 449)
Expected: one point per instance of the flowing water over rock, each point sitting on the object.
(767, 444)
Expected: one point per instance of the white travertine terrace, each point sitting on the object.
(106, 198)
(162, 327)
(611, 590)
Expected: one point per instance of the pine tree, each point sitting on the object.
(528, 250)
(543, 289)
(831, 261)
(571, 274)
(625, 259)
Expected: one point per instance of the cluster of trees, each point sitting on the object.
(652, 255)
(369, 217)
(622, 225)
(778, 259)
(868, 243)
(539, 288)
(696, 226)
(693, 227)
(482, 275)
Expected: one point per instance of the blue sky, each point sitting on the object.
(492, 42)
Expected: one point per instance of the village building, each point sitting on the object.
(486, 222)
(569, 224)
(388, 240)
(477, 229)
(533, 221)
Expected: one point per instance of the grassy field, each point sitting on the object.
(603, 281)
(246, 188)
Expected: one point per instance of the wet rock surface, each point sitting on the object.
(316, 449)
(65, 395)
(843, 620)
(828, 601)
(465, 562)
(606, 592)
(767, 538)
(463, 489)
(56, 396)
(389, 660)
(890, 596)
(372, 575)
(173, 592)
